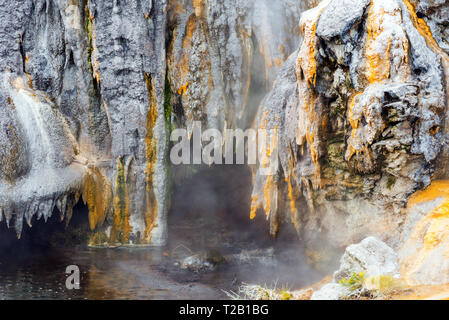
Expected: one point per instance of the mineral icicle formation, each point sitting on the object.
(85, 114)
(361, 110)
(355, 89)
(91, 90)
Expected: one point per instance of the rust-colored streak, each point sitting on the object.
(151, 155)
(121, 228)
(97, 194)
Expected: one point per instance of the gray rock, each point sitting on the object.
(359, 139)
(331, 291)
(89, 88)
(339, 17)
(371, 256)
(197, 263)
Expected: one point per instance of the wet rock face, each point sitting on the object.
(436, 14)
(83, 106)
(356, 90)
(367, 126)
(90, 90)
(224, 55)
(14, 161)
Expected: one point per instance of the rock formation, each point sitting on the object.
(355, 89)
(361, 111)
(367, 268)
(91, 89)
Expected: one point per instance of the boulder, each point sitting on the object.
(197, 263)
(331, 291)
(372, 256)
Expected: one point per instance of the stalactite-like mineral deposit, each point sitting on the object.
(355, 92)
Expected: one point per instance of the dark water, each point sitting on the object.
(130, 274)
(125, 274)
(105, 274)
(207, 215)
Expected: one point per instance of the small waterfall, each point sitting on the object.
(54, 180)
(51, 144)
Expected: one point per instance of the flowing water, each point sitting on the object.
(43, 125)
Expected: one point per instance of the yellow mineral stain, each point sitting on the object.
(431, 230)
(309, 130)
(438, 188)
(423, 292)
(268, 190)
(92, 35)
(306, 68)
(382, 19)
(29, 80)
(198, 6)
(182, 63)
(121, 228)
(307, 53)
(91, 17)
(383, 23)
(422, 27)
(292, 199)
(151, 155)
(269, 185)
(97, 195)
(254, 207)
(283, 51)
(433, 131)
(182, 90)
(354, 124)
(378, 62)
(176, 7)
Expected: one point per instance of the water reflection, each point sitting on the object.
(105, 274)
(213, 219)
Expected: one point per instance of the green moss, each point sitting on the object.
(336, 154)
(285, 295)
(354, 282)
(121, 228)
(121, 189)
(391, 181)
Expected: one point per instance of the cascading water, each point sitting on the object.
(51, 148)
(38, 119)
